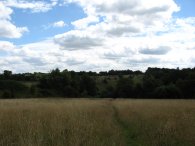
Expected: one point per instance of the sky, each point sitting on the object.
(96, 35)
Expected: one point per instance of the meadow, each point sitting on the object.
(97, 122)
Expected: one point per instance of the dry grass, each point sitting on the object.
(159, 122)
(57, 122)
(85, 122)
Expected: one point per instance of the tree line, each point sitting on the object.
(153, 83)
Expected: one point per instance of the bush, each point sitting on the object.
(12, 85)
(124, 88)
(69, 91)
(6, 94)
(169, 91)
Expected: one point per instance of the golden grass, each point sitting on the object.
(57, 123)
(85, 122)
(159, 122)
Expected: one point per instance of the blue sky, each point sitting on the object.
(39, 23)
(187, 8)
(96, 34)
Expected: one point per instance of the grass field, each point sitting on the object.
(85, 122)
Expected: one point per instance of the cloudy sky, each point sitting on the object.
(96, 35)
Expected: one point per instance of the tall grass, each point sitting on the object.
(57, 123)
(85, 122)
(158, 122)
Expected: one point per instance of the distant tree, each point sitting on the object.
(13, 88)
(108, 92)
(154, 83)
(7, 74)
(70, 91)
(124, 87)
(149, 85)
(104, 81)
(55, 73)
(169, 91)
(138, 90)
(6, 94)
(173, 91)
(187, 88)
(88, 84)
(33, 90)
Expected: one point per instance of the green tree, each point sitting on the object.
(7, 74)
(169, 91)
(88, 84)
(124, 87)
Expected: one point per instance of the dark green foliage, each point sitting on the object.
(15, 85)
(68, 84)
(7, 74)
(46, 93)
(108, 92)
(170, 91)
(12, 89)
(138, 91)
(88, 84)
(33, 90)
(6, 94)
(105, 81)
(70, 91)
(124, 88)
(187, 87)
(154, 83)
(149, 85)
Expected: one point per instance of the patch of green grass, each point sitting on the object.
(128, 131)
(137, 79)
(104, 82)
(29, 83)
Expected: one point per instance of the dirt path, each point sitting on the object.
(130, 137)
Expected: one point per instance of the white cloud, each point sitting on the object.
(83, 23)
(77, 40)
(162, 50)
(115, 34)
(74, 62)
(40, 56)
(59, 24)
(34, 6)
(7, 28)
(5, 12)
(6, 46)
(127, 12)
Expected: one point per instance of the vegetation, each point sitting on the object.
(106, 122)
(154, 83)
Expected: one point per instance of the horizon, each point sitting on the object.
(84, 35)
(98, 72)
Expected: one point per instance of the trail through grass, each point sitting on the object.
(97, 122)
(127, 130)
(157, 122)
